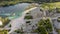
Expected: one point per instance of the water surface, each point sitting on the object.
(13, 11)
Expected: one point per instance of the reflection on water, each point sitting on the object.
(13, 11)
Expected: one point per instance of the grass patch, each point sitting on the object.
(3, 32)
(50, 6)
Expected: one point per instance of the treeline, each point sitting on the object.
(8, 0)
(46, 0)
(33, 0)
(13, 2)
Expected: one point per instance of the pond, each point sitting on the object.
(14, 11)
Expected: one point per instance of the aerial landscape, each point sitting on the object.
(29, 16)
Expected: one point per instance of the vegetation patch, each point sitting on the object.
(28, 17)
(58, 19)
(27, 13)
(27, 21)
(44, 26)
(10, 25)
(4, 21)
(19, 31)
(50, 6)
(58, 10)
(3, 32)
(8, 3)
(58, 30)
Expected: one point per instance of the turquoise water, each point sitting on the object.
(14, 11)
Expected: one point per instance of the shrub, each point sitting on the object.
(58, 19)
(28, 17)
(10, 25)
(27, 13)
(44, 26)
(58, 10)
(19, 31)
(27, 21)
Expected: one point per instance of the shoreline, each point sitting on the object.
(26, 11)
(10, 3)
(20, 21)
